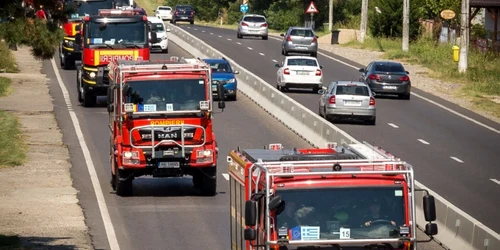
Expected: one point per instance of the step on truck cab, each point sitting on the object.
(338, 197)
(112, 34)
(69, 50)
(160, 120)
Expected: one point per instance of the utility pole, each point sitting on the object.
(330, 15)
(406, 24)
(464, 37)
(364, 20)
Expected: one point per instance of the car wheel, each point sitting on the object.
(264, 38)
(314, 54)
(372, 121)
(192, 22)
(285, 53)
(238, 35)
(406, 96)
(319, 111)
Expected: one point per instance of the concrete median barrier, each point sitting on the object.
(457, 230)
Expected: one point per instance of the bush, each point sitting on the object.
(7, 61)
(284, 13)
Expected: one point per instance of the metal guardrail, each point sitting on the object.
(457, 229)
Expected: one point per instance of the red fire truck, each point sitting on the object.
(69, 51)
(160, 115)
(354, 195)
(112, 34)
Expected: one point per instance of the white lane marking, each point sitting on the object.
(238, 43)
(195, 29)
(202, 30)
(393, 125)
(250, 48)
(495, 181)
(419, 96)
(211, 33)
(275, 61)
(226, 176)
(456, 159)
(188, 27)
(422, 141)
(229, 39)
(262, 54)
(220, 36)
(101, 202)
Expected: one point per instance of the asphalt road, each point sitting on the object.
(164, 213)
(451, 155)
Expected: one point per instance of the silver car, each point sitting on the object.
(253, 25)
(347, 99)
(299, 40)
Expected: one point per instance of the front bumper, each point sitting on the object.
(163, 45)
(95, 79)
(230, 89)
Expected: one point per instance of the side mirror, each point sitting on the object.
(168, 30)
(250, 234)
(154, 37)
(78, 38)
(110, 96)
(111, 108)
(222, 105)
(321, 66)
(316, 36)
(374, 94)
(282, 34)
(277, 65)
(321, 91)
(220, 93)
(275, 202)
(236, 72)
(429, 208)
(407, 72)
(251, 213)
(431, 229)
(78, 27)
(361, 70)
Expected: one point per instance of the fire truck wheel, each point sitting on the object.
(209, 182)
(89, 99)
(123, 187)
(78, 85)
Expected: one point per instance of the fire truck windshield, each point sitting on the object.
(79, 9)
(344, 212)
(117, 33)
(166, 95)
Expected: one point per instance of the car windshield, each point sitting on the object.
(352, 90)
(389, 67)
(185, 8)
(165, 8)
(156, 27)
(117, 33)
(254, 19)
(121, 3)
(301, 32)
(79, 9)
(220, 67)
(342, 213)
(166, 95)
(302, 62)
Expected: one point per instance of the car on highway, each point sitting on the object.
(157, 25)
(252, 25)
(347, 99)
(301, 40)
(183, 13)
(164, 13)
(299, 72)
(387, 77)
(222, 72)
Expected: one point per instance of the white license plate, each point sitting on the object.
(302, 73)
(390, 87)
(301, 47)
(169, 165)
(352, 103)
(184, 17)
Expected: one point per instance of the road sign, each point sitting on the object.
(245, 2)
(447, 14)
(312, 9)
(244, 8)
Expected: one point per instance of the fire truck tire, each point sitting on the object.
(78, 85)
(122, 187)
(209, 182)
(89, 99)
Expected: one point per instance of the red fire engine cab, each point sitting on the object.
(112, 34)
(69, 50)
(354, 195)
(160, 117)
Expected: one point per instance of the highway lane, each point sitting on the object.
(416, 130)
(164, 213)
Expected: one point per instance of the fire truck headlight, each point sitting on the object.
(92, 75)
(203, 153)
(70, 43)
(131, 154)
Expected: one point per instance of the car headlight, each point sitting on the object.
(231, 80)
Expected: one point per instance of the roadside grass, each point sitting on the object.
(4, 86)
(149, 5)
(10, 242)
(7, 61)
(480, 84)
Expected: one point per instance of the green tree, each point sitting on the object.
(389, 23)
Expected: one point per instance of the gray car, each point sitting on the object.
(253, 25)
(347, 99)
(387, 77)
(301, 40)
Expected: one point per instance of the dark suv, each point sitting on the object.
(183, 13)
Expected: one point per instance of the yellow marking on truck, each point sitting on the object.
(168, 122)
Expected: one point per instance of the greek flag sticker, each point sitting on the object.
(309, 233)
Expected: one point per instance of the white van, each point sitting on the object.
(157, 25)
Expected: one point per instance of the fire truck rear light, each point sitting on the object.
(204, 105)
(128, 107)
(331, 145)
(275, 146)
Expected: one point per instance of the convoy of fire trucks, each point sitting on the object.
(160, 121)
(352, 195)
(160, 117)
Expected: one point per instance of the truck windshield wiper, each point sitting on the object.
(132, 46)
(104, 45)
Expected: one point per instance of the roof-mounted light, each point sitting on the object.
(275, 146)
